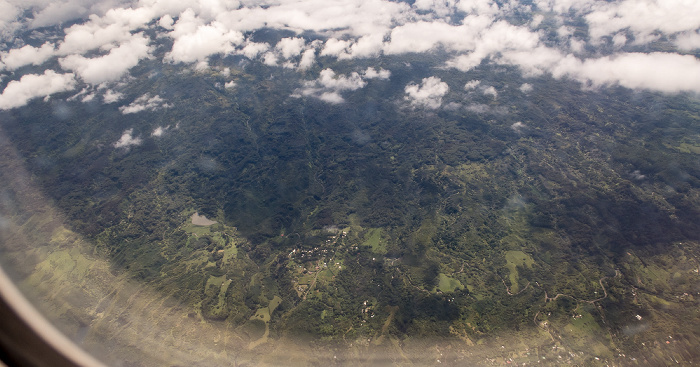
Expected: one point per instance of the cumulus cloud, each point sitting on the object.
(619, 40)
(307, 59)
(49, 13)
(328, 86)
(473, 32)
(665, 72)
(490, 41)
(110, 67)
(159, 131)
(111, 96)
(688, 41)
(290, 47)
(26, 55)
(643, 17)
(526, 88)
(270, 59)
(166, 21)
(81, 38)
(372, 73)
(194, 41)
(82, 94)
(127, 140)
(428, 94)
(661, 71)
(478, 108)
(353, 17)
(490, 91)
(366, 46)
(331, 97)
(335, 47)
(481, 108)
(145, 103)
(518, 126)
(252, 49)
(425, 36)
(471, 84)
(9, 13)
(328, 79)
(17, 93)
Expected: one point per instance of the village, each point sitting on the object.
(319, 262)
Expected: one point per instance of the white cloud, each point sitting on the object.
(533, 62)
(49, 13)
(564, 6)
(127, 140)
(565, 32)
(328, 86)
(307, 59)
(495, 39)
(577, 46)
(659, 71)
(112, 66)
(486, 7)
(643, 17)
(471, 84)
(429, 94)
(145, 103)
(111, 96)
(18, 92)
(518, 126)
(290, 47)
(490, 91)
(619, 40)
(688, 41)
(331, 97)
(26, 55)
(478, 108)
(83, 92)
(229, 85)
(9, 13)
(665, 72)
(481, 108)
(202, 65)
(452, 106)
(81, 38)
(372, 73)
(196, 42)
(252, 49)
(354, 17)
(166, 21)
(335, 47)
(328, 79)
(270, 59)
(536, 20)
(361, 29)
(425, 36)
(367, 46)
(526, 88)
(441, 8)
(159, 131)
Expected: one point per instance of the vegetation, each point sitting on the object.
(370, 220)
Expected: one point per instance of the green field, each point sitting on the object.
(374, 240)
(515, 259)
(447, 284)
